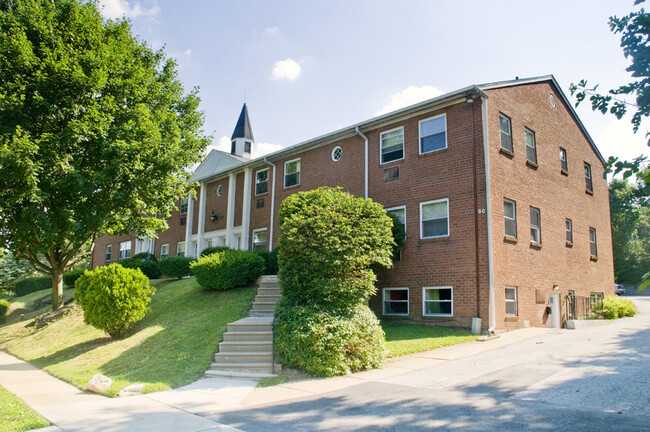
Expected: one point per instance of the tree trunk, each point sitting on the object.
(57, 288)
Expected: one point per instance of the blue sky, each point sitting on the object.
(306, 68)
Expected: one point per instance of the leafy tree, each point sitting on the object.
(95, 132)
(12, 270)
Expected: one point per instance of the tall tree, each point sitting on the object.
(95, 132)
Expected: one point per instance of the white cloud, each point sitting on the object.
(259, 148)
(271, 31)
(188, 52)
(113, 9)
(285, 70)
(409, 96)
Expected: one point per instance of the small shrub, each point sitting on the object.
(32, 284)
(149, 268)
(176, 267)
(213, 249)
(327, 344)
(71, 276)
(626, 308)
(4, 307)
(144, 256)
(613, 307)
(229, 269)
(113, 298)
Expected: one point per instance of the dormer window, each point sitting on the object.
(233, 147)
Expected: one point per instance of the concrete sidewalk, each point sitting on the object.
(185, 409)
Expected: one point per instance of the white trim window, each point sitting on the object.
(569, 230)
(391, 145)
(531, 147)
(563, 161)
(433, 134)
(180, 248)
(510, 217)
(511, 300)
(535, 226)
(400, 212)
(164, 251)
(588, 183)
(292, 173)
(262, 181)
(125, 249)
(395, 301)
(260, 241)
(337, 153)
(109, 249)
(183, 206)
(593, 246)
(506, 132)
(438, 301)
(434, 219)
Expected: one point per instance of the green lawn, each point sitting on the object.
(172, 346)
(16, 416)
(403, 338)
(28, 300)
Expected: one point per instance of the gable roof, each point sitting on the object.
(243, 128)
(216, 161)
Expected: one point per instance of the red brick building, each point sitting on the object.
(500, 187)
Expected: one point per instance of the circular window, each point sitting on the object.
(551, 100)
(219, 190)
(337, 152)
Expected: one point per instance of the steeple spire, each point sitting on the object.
(242, 137)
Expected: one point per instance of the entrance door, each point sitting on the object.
(554, 302)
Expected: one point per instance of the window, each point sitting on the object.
(219, 190)
(563, 162)
(535, 226)
(590, 187)
(180, 249)
(259, 239)
(592, 242)
(434, 219)
(391, 173)
(233, 147)
(183, 208)
(125, 249)
(164, 251)
(569, 230)
(109, 249)
(510, 217)
(511, 300)
(247, 146)
(433, 134)
(337, 152)
(595, 299)
(262, 181)
(437, 301)
(396, 301)
(392, 145)
(531, 149)
(400, 212)
(506, 133)
(292, 173)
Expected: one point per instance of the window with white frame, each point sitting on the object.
(593, 247)
(262, 181)
(125, 249)
(392, 145)
(292, 173)
(569, 230)
(563, 161)
(510, 217)
(433, 134)
(109, 249)
(180, 249)
(596, 299)
(164, 251)
(531, 147)
(535, 226)
(511, 300)
(589, 185)
(260, 239)
(183, 208)
(506, 132)
(437, 301)
(400, 214)
(396, 301)
(434, 219)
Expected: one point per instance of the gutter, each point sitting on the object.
(488, 210)
(365, 138)
(272, 204)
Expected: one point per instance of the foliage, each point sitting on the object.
(32, 284)
(12, 270)
(16, 415)
(399, 233)
(328, 343)
(270, 261)
(95, 134)
(167, 349)
(144, 256)
(229, 269)
(113, 298)
(176, 267)
(4, 308)
(613, 307)
(213, 249)
(71, 276)
(146, 262)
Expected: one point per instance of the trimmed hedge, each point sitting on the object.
(71, 276)
(270, 261)
(4, 307)
(213, 249)
(113, 298)
(32, 284)
(144, 256)
(176, 267)
(150, 268)
(229, 269)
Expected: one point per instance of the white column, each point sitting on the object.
(246, 209)
(188, 225)
(230, 212)
(201, 230)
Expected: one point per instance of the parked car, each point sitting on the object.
(619, 289)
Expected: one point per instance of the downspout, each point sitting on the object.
(477, 273)
(488, 210)
(365, 138)
(272, 204)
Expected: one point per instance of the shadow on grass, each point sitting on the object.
(70, 352)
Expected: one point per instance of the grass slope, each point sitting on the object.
(172, 346)
(403, 338)
(25, 303)
(16, 416)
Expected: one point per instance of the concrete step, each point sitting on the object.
(216, 373)
(263, 307)
(261, 314)
(274, 291)
(264, 298)
(244, 357)
(267, 278)
(259, 336)
(241, 367)
(245, 346)
(255, 324)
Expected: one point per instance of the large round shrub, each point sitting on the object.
(328, 343)
(176, 267)
(113, 298)
(613, 307)
(228, 269)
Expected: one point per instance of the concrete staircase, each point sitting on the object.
(247, 347)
